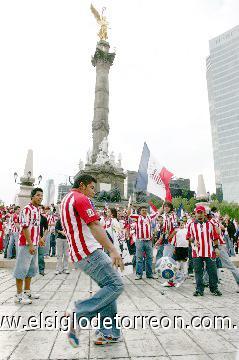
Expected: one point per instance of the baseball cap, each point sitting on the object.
(200, 208)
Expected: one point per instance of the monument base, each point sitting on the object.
(108, 177)
(24, 196)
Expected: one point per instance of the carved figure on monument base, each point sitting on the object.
(89, 157)
(112, 158)
(119, 162)
(115, 195)
(104, 145)
(102, 158)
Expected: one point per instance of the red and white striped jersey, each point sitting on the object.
(15, 220)
(203, 235)
(169, 225)
(51, 219)
(30, 218)
(77, 211)
(217, 224)
(143, 226)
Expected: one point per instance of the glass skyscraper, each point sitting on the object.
(223, 95)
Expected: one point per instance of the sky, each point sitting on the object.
(158, 89)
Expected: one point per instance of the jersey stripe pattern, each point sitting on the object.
(203, 235)
(143, 229)
(30, 218)
(77, 212)
(216, 223)
(14, 221)
(169, 225)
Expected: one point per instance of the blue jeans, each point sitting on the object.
(99, 267)
(211, 270)
(229, 244)
(26, 264)
(47, 246)
(13, 241)
(141, 247)
(227, 263)
(159, 252)
(168, 250)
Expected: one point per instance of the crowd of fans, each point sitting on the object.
(171, 235)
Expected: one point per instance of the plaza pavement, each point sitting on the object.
(141, 297)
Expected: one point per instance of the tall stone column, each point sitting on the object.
(102, 60)
(26, 181)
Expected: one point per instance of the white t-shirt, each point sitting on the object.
(181, 240)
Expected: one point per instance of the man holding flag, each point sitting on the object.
(153, 177)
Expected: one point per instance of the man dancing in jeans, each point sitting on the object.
(86, 237)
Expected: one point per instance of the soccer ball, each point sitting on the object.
(166, 267)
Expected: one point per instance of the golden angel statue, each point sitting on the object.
(101, 20)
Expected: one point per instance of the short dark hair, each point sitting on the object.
(143, 207)
(214, 209)
(35, 190)
(16, 207)
(114, 213)
(85, 179)
(169, 204)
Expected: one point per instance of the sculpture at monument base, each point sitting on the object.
(109, 196)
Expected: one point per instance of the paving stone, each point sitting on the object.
(117, 350)
(141, 298)
(226, 356)
(179, 343)
(8, 342)
(146, 347)
(211, 342)
(190, 357)
(35, 345)
(63, 350)
(151, 358)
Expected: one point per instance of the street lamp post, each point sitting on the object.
(27, 180)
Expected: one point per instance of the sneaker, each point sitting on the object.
(198, 293)
(57, 272)
(191, 275)
(31, 295)
(66, 271)
(138, 277)
(216, 293)
(73, 339)
(42, 273)
(105, 340)
(168, 284)
(72, 335)
(21, 299)
(151, 277)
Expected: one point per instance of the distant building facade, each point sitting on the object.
(131, 181)
(62, 191)
(223, 95)
(49, 192)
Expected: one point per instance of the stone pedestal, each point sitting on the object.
(108, 177)
(201, 189)
(26, 181)
(24, 196)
